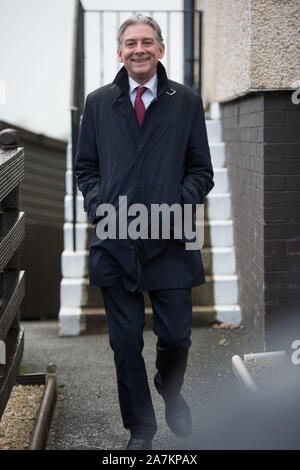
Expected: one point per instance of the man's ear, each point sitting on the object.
(162, 51)
(119, 54)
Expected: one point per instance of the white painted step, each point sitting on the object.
(218, 290)
(219, 260)
(214, 131)
(230, 314)
(74, 264)
(80, 213)
(69, 165)
(218, 155)
(218, 233)
(83, 232)
(221, 181)
(78, 293)
(75, 321)
(218, 206)
(69, 183)
(214, 110)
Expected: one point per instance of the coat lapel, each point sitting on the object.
(124, 113)
(123, 110)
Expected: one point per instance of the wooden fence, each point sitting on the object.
(12, 280)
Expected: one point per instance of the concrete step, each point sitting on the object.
(218, 260)
(74, 264)
(217, 203)
(218, 206)
(69, 164)
(76, 321)
(69, 183)
(221, 181)
(77, 293)
(80, 213)
(218, 290)
(217, 151)
(221, 289)
(83, 233)
(218, 156)
(214, 131)
(217, 233)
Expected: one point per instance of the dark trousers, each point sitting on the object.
(172, 317)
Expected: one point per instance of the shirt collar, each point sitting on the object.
(151, 85)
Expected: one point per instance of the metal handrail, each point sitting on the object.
(77, 99)
(77, 84)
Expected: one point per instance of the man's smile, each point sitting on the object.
(140, 61)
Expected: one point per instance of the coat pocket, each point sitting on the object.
(93, 199)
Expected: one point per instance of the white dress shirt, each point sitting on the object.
(148, 95)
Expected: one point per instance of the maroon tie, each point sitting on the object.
(139, 106)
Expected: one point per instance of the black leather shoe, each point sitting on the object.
(177, 412)
(139, 444)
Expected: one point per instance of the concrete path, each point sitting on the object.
(88, 414)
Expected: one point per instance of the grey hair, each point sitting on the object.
(139, 19)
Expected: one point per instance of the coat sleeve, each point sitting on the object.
(87, 163)
(198, 178)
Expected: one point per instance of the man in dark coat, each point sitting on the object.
(143, 137)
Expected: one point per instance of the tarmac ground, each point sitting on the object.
(87, 414)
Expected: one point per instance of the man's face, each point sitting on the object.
(140, 52)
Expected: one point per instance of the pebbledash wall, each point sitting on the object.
(262, 135)
(251, 69)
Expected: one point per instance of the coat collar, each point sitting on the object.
(121, 80)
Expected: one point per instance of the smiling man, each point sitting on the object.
(143, 136)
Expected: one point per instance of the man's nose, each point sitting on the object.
(139, 48)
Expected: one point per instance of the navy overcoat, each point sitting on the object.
(166, 160)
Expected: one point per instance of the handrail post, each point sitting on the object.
(189, 48)
(77, 97)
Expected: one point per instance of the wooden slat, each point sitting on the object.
(11, 370)
(11, 305)
(11, 170)
(6, 156)
(36, 378)
(12, 240)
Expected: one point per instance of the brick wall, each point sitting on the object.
(262, 136)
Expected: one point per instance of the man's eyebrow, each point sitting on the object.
(133, 39)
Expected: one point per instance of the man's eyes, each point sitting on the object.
(147, 43)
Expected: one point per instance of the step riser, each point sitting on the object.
(218, 157)
(75, 264)
(221, 182)
(220, 235)
(73, 322)
(214, 131)
(218, 207)
(216, 293)
(78, 293)
(218, 263)
(74, 294)
(214, 235)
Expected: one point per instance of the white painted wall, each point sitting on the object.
(35, 58)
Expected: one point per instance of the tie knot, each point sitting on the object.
(140, 90)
